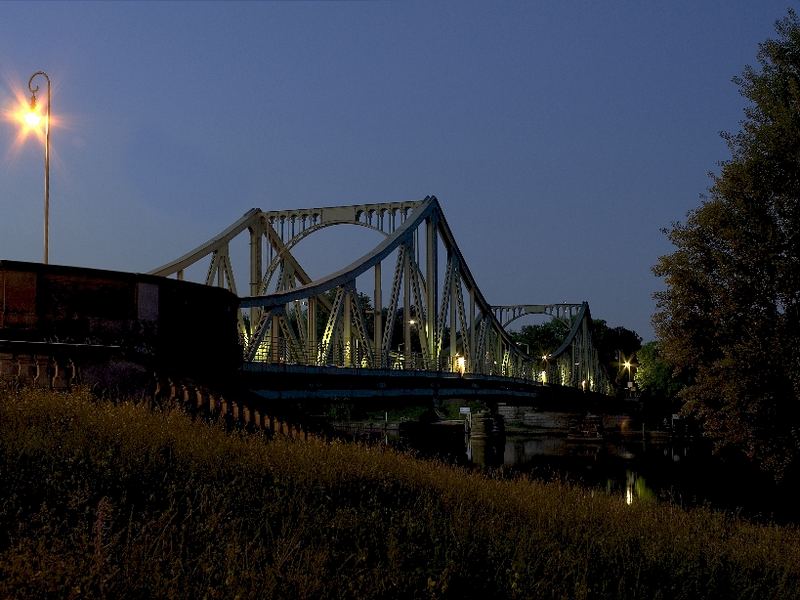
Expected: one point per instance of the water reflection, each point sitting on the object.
(624, 468)
(636, 488)
(633, 467)
(641, 470)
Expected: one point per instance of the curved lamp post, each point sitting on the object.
(46, 156)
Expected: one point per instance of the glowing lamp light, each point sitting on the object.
(32, 118)
(29, 120)
(461, 364)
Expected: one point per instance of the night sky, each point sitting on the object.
(559, 137)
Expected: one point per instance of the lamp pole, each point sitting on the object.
(33, 91)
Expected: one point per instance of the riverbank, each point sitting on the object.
(105, 500)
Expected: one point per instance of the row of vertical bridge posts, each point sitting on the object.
(62, 374)
(235, 413)
(39, 371)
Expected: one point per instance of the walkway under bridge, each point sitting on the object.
(432, 318)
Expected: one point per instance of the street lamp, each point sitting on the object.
(32, 118)
(628, 367)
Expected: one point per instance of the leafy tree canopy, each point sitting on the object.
(542, 339)
(614, 345)
(611, 343)
(729, 318)
(654, 376)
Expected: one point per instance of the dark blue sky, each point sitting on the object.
(560, 137)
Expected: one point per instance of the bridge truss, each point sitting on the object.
(575, 362)
(431, 314)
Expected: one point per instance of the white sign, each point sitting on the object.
(464, 410)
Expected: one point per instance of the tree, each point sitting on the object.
(729, 317)
(654, 375)
(614, 344)
(610, 342)
(542, 339)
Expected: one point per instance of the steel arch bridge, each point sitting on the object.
(431, 314)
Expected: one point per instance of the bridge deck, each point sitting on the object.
(287, 382)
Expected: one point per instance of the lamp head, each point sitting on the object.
(32, 117)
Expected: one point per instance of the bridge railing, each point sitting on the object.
(282, 352)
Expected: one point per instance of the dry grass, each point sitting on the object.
(105, 500)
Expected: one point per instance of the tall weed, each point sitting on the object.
(101, 499)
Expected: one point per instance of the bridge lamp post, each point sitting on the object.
(410, 359)
(33, 118)
(628, 366)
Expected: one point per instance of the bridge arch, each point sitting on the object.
(575, 362)
(509, 313)
(323, 321)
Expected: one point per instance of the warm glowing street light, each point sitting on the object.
(460, 364)
(32, 119)
(627, 364)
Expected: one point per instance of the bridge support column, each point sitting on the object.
(256, 270)
(347, 332)
(377, 303)
(432, 285)
(311, 335)
(471, 356)
(274, 344)
(407, 306)
(454, 281)
(486, 438)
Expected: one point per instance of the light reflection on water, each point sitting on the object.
(634, 469)
(637, 471)
(617, 467)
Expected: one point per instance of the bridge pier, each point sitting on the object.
(486, 424)
(486, 438)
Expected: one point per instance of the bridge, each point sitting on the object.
(420, 312)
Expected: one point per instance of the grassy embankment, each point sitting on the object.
(103, 500)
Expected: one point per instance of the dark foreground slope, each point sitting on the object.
(103, 500)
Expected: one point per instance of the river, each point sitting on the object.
(638, 468)
(681, 472)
